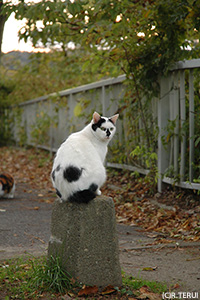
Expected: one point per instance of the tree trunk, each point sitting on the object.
(3, 19)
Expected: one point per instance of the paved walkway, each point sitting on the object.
(25, 229)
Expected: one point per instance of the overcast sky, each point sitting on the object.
(10, 38)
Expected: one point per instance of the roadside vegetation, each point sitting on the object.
(37, 278)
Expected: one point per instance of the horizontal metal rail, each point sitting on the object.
(171, 107)
(79, 89)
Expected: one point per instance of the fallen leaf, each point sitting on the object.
(88, 290)
(144, 289)
(71, 294)
(73, 281)
(31, 208)
(25, 266)
(149, 269)
(108, 290)
(176, 286)
(150, 296)
(66, 297)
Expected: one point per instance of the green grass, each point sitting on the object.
(138, 282)
(29, 278)
(32, 278)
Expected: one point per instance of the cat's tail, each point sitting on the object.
(84, 196)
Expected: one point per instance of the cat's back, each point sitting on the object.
(78, 146)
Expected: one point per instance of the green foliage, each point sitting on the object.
(6, 88)
(48, 73)
(40, 128)
(50, 276)
(148, 158)
(5, 128)
(80, 107)
(21, 127)
(143, 39)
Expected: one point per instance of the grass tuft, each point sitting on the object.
(50, 276)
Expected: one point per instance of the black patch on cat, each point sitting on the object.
(58, 193)
(53, 175)
(111, 121)
(57, 169)
(72, 173)
(98, 124)
(108, 133)
(84, 196)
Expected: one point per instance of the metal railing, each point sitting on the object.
(177, 105)
(48, 120)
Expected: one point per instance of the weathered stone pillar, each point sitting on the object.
(84, 237)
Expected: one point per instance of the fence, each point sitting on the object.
(179, 106)
(48, 120)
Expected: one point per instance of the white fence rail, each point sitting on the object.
(179, 103)
(48, 120)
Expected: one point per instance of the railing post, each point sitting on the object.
(103, 97)
(183, 119)
(191, 126)
(163, 117)
(51, 128)
(176, 118)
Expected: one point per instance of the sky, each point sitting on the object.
(10, 38)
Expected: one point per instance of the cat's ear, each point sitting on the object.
(96, 117)
(114, 118)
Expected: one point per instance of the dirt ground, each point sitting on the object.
(25, 230)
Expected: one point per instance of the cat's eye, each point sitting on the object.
(111, 129)
(103, 128)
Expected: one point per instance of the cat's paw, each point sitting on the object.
(8, 196)
(98, 192)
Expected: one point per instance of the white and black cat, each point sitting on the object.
(78, 169)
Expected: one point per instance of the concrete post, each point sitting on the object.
(84, 237)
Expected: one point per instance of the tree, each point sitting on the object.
(3, 18)
(144, 38)
(141, 37)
